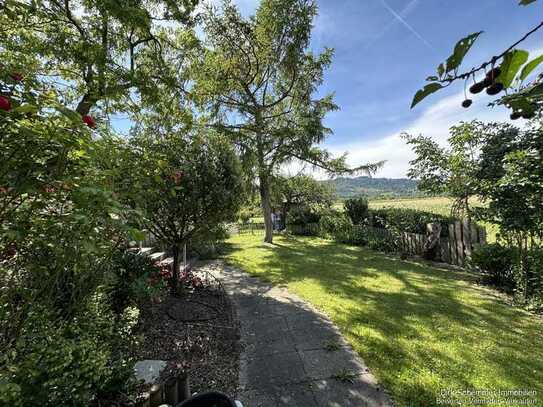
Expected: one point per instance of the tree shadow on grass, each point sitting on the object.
(420, 329)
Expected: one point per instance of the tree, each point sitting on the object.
(257, 80)
(357, 209)
(509, 71)
(100, 52)
(449, 171)
(181, 185)
(51, 191)
(300, 191)
(511, 180)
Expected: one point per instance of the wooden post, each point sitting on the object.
(183, 388)
(452, 245)
(156, 395)
(459, 242)
(445, 250)
(171, 394)
(466, 237)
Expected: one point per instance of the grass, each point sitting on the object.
(420, 329)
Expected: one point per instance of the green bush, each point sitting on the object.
(134, 279)
(357, 210)
(335, 225)
(408, 220)
(68, 363)
(303, 216)
(382, 243)
(535, 279)
(209, 245)
(497, 263)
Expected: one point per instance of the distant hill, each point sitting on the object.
(374, 187)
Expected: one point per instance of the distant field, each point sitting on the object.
(438, 205)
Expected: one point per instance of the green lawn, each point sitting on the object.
(420, 329)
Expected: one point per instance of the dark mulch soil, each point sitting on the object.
(197, 333)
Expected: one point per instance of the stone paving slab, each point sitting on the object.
(363, 391)
(293, 355)
(323, 364)
(280, 368)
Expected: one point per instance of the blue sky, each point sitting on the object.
(384, 49)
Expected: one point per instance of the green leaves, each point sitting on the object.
(26, 108)
(453, 62)
(526, 2)
(460, 50)
(530, 66)
(424, 92)
(512, 62)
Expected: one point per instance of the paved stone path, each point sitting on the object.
(293, 355)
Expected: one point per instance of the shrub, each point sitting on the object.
(209, 245)
(245, 214)
(133, 279)
(497, 263)
(357, 210)
(334, 225)
(303, 216)
(408, 220)
(59, 363)
(535, 279)
(382, 242)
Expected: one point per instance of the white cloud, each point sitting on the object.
(433, 122)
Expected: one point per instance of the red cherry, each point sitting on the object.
(89, 121)
(16, 76)
(5, 104)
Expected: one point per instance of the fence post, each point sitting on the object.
(452, 244)
(459, 242)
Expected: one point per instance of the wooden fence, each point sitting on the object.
(455, 249)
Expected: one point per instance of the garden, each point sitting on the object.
(127, 250)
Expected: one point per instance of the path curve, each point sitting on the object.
(292, 354)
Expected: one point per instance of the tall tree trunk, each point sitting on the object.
(174, 281)
(266, 207)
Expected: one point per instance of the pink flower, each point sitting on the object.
(5, 103)
(89, 121)
(16, 76)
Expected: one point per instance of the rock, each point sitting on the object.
(149, 370)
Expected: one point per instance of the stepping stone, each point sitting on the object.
(167, 261)
(157, 256)
(149, 370)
